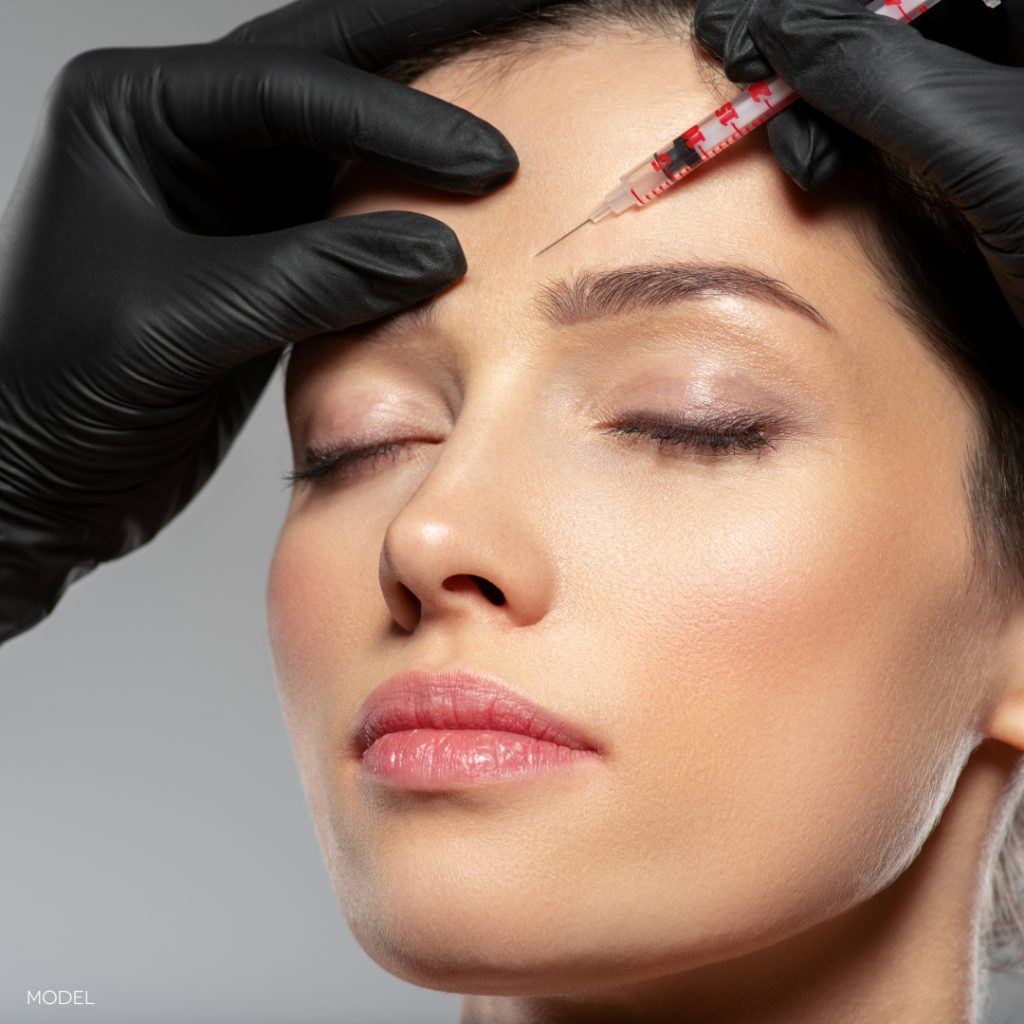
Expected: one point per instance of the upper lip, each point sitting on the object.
(459, 699)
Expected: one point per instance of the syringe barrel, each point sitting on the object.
(700, 143)
(900, 10)
(725, 126)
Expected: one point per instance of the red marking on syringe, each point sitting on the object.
(760, 92)
(898, 4)
(726, 114)
(694, 136)
(653, 176)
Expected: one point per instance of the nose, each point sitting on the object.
(466, 546)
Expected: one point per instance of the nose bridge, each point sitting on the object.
(476, 515)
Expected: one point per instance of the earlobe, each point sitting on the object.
(1006, 722)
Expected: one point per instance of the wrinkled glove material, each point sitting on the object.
(164, 242)
(945, 95)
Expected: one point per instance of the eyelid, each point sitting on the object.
(718, 419)
(705, 386)
(361, 411)
(724, 437)
(323, 462)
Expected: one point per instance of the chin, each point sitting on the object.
(502, 962)
(497, 935)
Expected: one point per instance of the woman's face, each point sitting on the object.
(737, 659)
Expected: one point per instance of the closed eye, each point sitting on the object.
(349, 462)
(729, 438)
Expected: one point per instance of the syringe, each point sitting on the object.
(728, 124)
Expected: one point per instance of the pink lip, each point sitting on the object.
(431, 731)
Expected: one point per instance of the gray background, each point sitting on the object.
(155, 847)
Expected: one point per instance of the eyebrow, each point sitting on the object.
(595, 295)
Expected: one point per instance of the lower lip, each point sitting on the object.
(428, 759)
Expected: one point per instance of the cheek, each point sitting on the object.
(323, 601)
(805, 682)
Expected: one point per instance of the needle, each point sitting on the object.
(557, 240)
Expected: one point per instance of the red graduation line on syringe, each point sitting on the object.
(685, 154)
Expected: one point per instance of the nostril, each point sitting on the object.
(489, 590)
(466, 583)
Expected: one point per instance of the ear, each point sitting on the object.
(1006, 723)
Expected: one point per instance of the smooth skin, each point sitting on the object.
(780, 641)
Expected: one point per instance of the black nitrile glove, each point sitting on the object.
(163, 244)
(955, 117)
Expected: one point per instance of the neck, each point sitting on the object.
(908, 955)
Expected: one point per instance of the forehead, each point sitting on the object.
(580, 115)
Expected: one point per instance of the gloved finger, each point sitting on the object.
(809, 146)
(258, 96)
(371, 33)
(255, 96)
(240, 390)
(712, 20)
(721, 28)
(248, 295)
(881, 79)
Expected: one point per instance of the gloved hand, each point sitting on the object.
(163, 244)
(955, 116)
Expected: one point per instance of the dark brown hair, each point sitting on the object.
(926, 254)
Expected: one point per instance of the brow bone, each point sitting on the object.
(593, 295)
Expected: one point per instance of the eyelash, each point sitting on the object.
(727, 439)
(326, 464)
(702, 439)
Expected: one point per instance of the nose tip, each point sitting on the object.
(460, 550)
